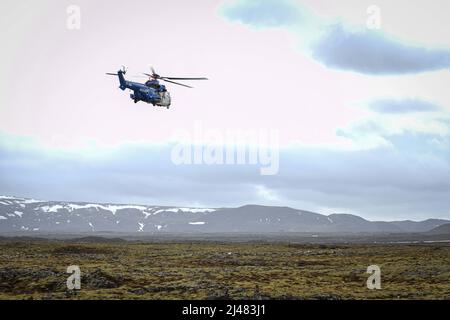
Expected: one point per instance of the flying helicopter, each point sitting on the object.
(151, 91)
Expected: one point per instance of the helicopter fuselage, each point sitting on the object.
(151, 92)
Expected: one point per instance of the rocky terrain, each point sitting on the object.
(36, 269)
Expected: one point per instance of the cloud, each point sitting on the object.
(399, 106)
(262, 13)
(336, 45)
(410, 179)
(371, 52)
(393, 117)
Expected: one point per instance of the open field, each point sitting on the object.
(212, 270)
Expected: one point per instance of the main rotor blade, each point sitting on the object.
(180, 84)
(112, 74)
(153, 70)
(172, 78)
(154, 75)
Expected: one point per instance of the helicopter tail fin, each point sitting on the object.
(123, 82)
(120, 73)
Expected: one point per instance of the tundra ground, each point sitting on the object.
(36, 269)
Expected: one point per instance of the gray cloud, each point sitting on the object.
(373, 53)
(410, 180)
(398, 106)
(364, 51)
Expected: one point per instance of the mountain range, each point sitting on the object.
(36, 216)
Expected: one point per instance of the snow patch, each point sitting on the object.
(3, 218)
(7, 198)
(197, 223)
(54, 208)
(112, 208)
(21, 200)
(147, 214)
(192, 210)
(18, 213)
(197, 210)
(30, 201)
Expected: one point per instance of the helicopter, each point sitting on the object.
(151, 91)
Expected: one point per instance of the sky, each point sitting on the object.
(348, 100)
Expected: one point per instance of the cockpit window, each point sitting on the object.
(152, 83)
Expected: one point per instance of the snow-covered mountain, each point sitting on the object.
(29, 215)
